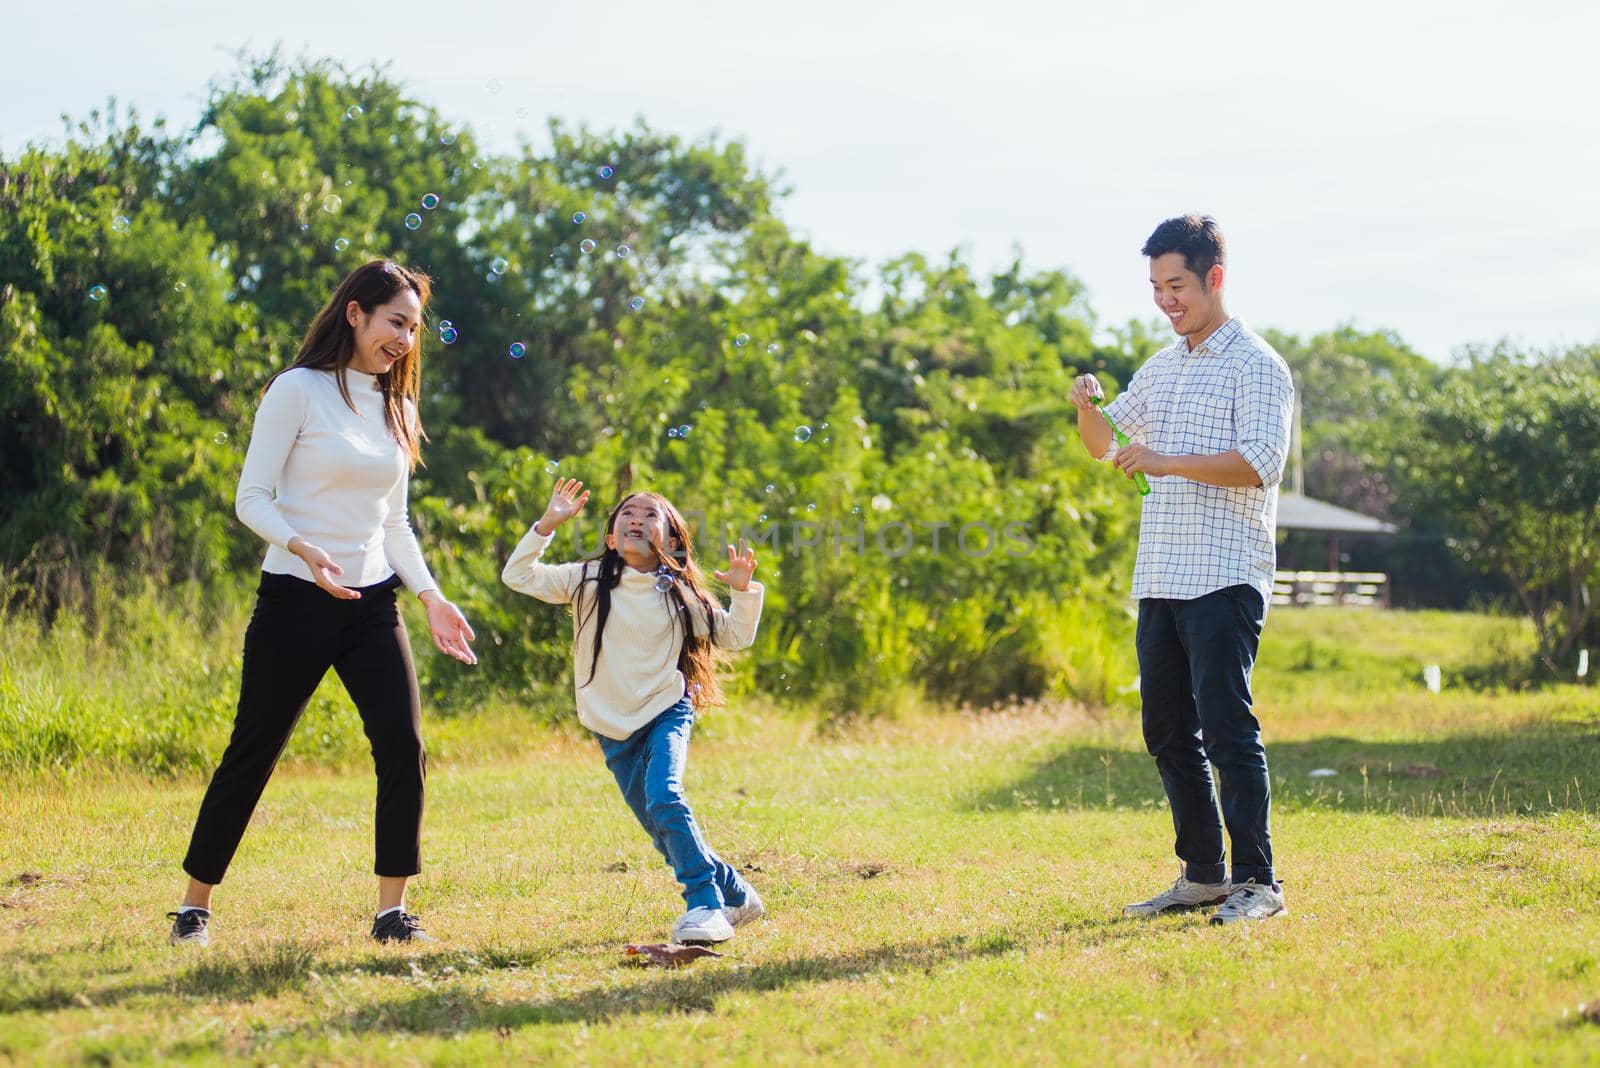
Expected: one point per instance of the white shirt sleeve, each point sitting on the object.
(1128, 412)
(278, 422)
(551, 583)
(736, 626)
(1263, 409)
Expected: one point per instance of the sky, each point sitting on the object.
(1430, 168)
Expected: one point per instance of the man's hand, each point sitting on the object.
(1134, 458)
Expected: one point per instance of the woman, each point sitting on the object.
(324, 482)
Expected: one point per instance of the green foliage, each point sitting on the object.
(991, 558)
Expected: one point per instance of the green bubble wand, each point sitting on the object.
(1122, 442)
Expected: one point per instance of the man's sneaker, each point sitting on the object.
(189, 927)
(1180, 897)
(702, 925)
(752, 909)
(1251, 901)
(399, 926)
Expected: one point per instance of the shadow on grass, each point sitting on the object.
(1531, 771)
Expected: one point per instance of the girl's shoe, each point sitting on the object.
(752, 909)
(189, 927)
(702, 924)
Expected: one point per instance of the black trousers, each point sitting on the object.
(295, 635)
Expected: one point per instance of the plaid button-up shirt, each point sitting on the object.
(1232, 392)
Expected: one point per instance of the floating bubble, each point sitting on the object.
(332, 203)
(802, 434)
(220, 438)
(672, 431)
(430, 201)
(493, 85)
(353, 111)
(771, 487)
(664, 580)
(880, 503)
(856, 510)
(742, 340)
(179, 286)
(774, 348)
(97, 292)
(120, 224)
(348, 183)
(413, 221)
(606, 170)
(447, 138)
(518, 350)
(304, 227)
(812, 507)
(578, 216)
(448, 335)
(499, 265)
(763, 518)
(622, 251)
(340, 244)
(550, 468)
(586, 245)
(683, 431)
(636, 303)
(445, 324)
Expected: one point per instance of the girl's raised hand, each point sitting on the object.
(566, 501)
(741, 565)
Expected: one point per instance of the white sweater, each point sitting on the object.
(334, 477)
(637, 677)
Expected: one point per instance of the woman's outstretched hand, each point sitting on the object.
(451, 632)
(566, 501)
(323, 569)
(741, 565)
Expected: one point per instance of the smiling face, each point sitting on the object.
(638, 526)
(384, 335)
(1191, 304)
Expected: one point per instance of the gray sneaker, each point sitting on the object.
(702, 924)
(189, 927)
(1251, 901)
(752, 909)
(1181, 897)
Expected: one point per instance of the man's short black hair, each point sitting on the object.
(1197, 237)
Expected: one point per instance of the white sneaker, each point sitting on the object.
(1251, 901)
(752, 909)
(702, 925)
(1181, 896)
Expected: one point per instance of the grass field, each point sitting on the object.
(941, 888)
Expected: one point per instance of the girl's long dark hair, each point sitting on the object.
(698, 658)
(331, 342)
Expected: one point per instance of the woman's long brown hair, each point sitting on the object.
(331, 342)
(698, 658)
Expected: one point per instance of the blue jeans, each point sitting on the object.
(648, 766)
(1195, 658)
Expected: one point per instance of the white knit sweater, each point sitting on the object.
(334, 477)
(637, 677)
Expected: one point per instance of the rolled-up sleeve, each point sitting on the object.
(1263, 410)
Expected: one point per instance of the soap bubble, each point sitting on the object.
(586, 245)
(493, 85)
(445, 324)
(550, 468)
(636, 303)
(606, 171)
(179, 286)
(518, 350)
(430, 201)
(683, 431)
(120, 224)
(578, 216)
(664, 580)
(742, 340)
(220, 438)
(447, 138)
(771, 487)
(413, 221)
(340, 244)
(97, 293)
(448, 335)
(499, 265)
(331, 203)
(773, 349)
(622, 251)
(353, 111)
(672, 432)
(802, 434)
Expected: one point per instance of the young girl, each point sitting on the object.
(647, 639)
(324, 484)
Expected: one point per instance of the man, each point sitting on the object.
(1209, 420)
